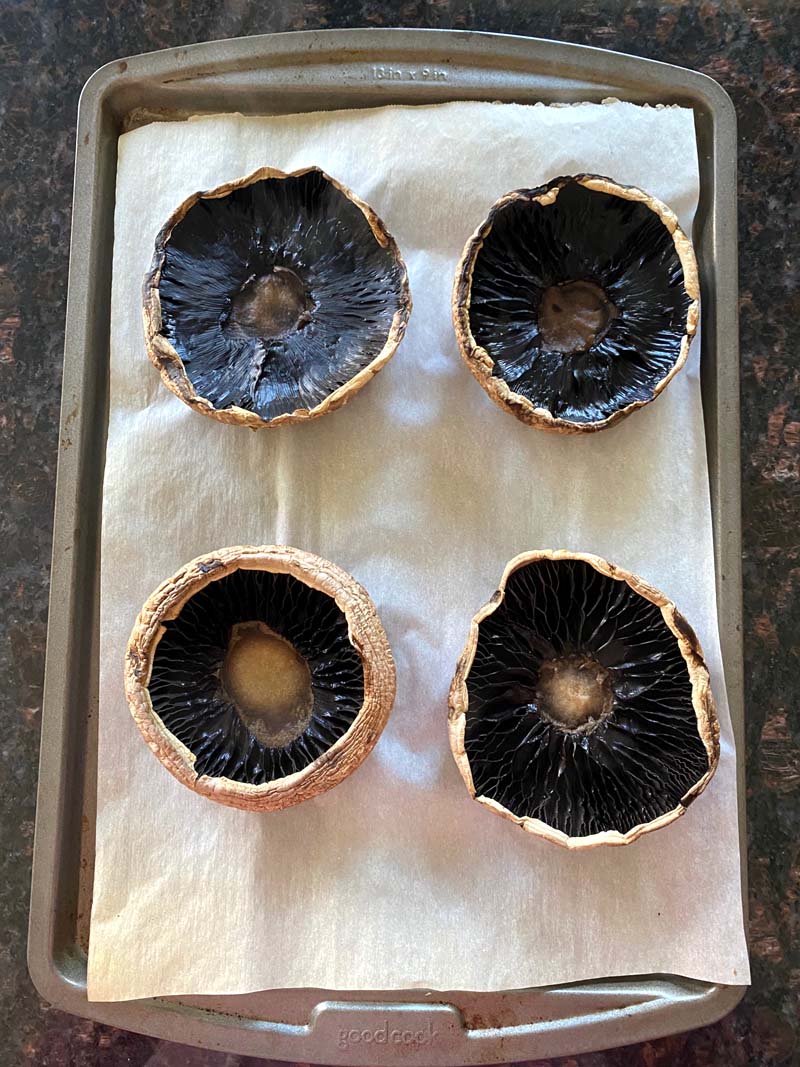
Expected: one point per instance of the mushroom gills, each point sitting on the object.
(580, 708)
(277, 294)
(257, 676)
(579, 301)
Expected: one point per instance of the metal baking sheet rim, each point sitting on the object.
(305, 71)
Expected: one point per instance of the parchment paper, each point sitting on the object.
(422, 489)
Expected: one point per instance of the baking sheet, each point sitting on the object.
(422, 489)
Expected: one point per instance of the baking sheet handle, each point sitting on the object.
(364, 1033)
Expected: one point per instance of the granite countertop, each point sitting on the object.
(48, 50)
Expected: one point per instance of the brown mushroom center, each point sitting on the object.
(269, 683)
(573, 316)
(574, 692)
(271, 306)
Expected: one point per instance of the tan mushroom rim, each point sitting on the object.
(702, 701)
(478, 359)
(170, 364)
(366, 635)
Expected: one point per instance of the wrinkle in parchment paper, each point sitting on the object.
(422, 489)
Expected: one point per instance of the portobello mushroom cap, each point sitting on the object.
(581, 707)
(260, 677)
(274, 298)
(575, 303)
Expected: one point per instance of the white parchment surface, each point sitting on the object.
(422, 489)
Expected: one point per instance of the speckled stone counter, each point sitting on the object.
(47, 50)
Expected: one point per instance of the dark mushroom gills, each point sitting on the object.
(260, 676)
(574, 303)
(256, 676)
(274, 298)
(582, 704)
